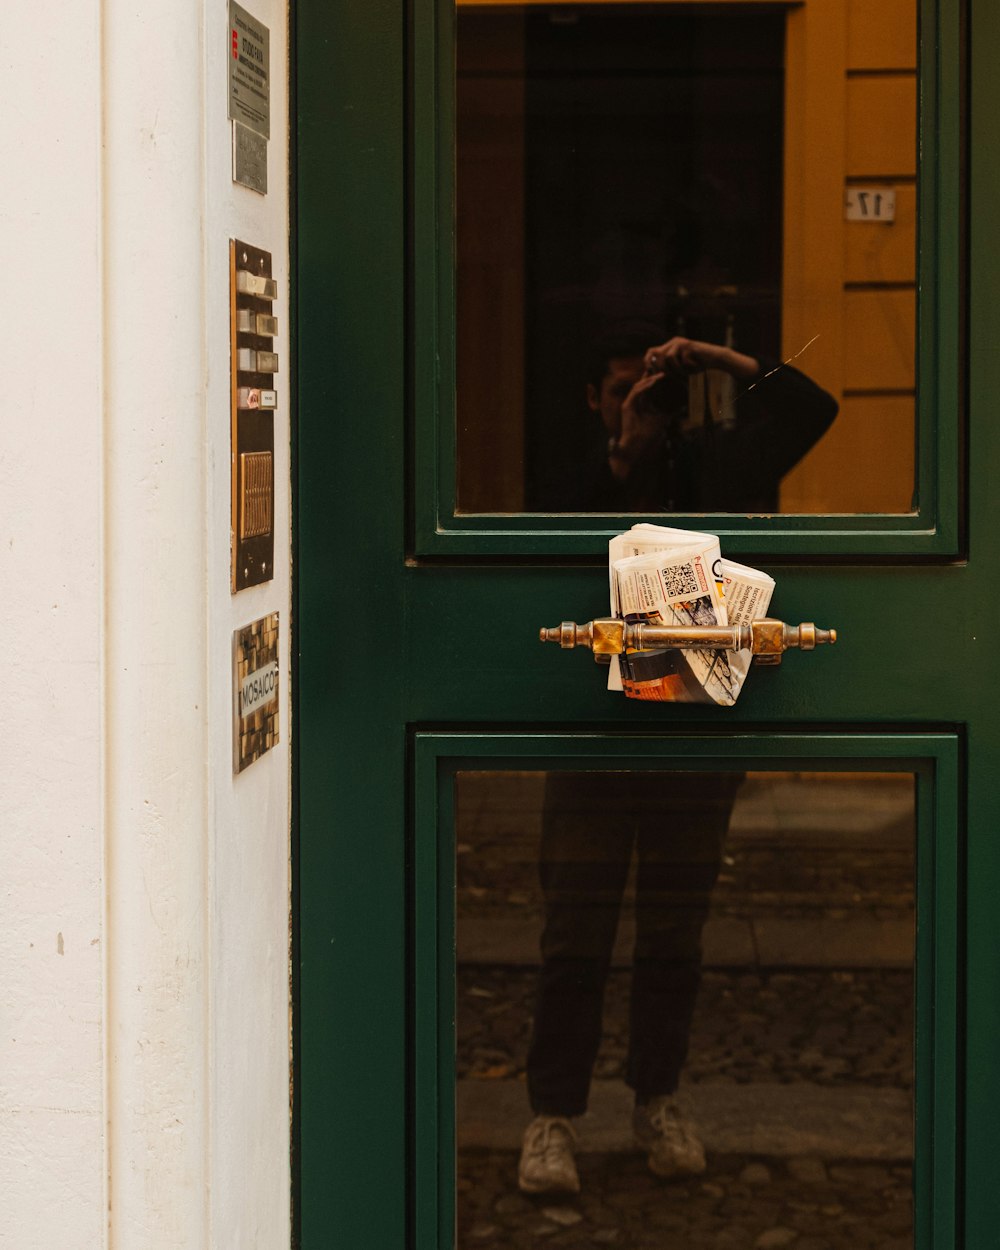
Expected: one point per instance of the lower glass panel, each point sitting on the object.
(734, 952)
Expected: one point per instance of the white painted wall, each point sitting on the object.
(51, 923)
(143, 936)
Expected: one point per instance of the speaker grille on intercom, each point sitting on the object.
(257, 473)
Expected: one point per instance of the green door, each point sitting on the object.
(420, 593)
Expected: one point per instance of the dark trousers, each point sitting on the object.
(591, 822)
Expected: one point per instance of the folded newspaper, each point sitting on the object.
(668, 576)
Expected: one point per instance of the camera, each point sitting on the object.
(668, 399)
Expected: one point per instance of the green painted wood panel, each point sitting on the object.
(917, 651)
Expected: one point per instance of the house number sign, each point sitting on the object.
(874, 204)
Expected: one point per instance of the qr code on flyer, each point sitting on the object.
(679, 579)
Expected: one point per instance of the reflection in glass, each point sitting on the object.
(633, 174)
(735, 956)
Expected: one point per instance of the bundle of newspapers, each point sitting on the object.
(669, 576)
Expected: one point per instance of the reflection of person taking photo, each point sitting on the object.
(654, 458)
(660, 456)
(593, 824)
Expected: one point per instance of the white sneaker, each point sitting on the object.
(662, 1128)
(547, 1157)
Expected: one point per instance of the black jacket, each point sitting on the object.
(736, 466)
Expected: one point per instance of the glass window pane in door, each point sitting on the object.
(732, 953)
(685, 258)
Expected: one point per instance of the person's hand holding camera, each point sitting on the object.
(684, 357)
(646, 415)
(642, 426)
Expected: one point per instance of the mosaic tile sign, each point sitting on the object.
(255, 690)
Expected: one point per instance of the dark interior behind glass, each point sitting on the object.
(619, 167)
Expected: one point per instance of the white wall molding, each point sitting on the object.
(157, 649)
(144, 1054)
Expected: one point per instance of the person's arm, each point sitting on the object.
(686, 356)
(784, 415)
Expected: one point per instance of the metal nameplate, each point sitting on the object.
(249, 159)
(249, 70)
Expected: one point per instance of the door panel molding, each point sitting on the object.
(934, 529)
(936, 760)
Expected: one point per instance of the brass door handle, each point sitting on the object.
(766, 639)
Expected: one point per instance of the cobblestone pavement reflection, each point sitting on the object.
(740, 1204)
(806, 1006)
(828, 1026)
